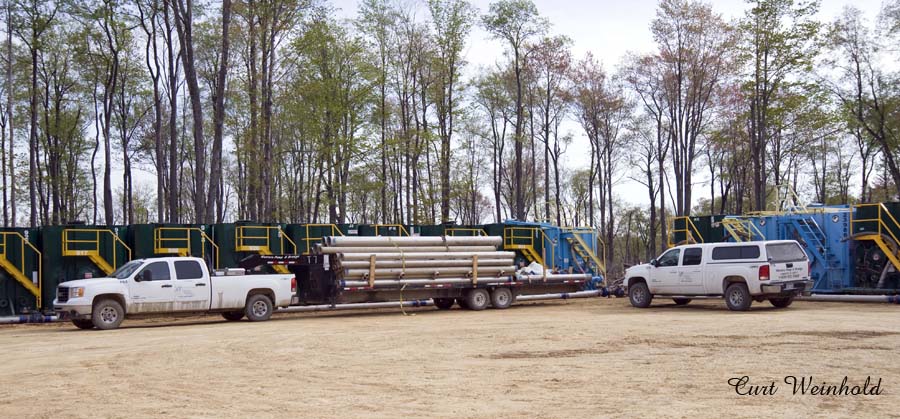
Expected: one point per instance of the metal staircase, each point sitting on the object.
(583, 251)
(884, 235)
(741, 230)
(87, 242)
(16, 267)
(258, 239)
(522, 239)
(815, 242)
(179, 240)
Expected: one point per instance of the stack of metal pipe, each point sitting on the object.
(398, 261)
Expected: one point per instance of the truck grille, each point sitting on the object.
(62, 294)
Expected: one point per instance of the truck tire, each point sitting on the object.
(782, 302)
(477, 299)
(681, 301)
(639, 295)
(443, 303)
(84, 324)
(107, 314)
(233, 316)
(259, 308)
(737, 297)
(501, 298)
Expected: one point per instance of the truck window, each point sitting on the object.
(188, 269)
(692, 256)
(158, 270)
(785, 252)
(735, 252)
(670, 258)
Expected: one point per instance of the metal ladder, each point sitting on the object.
(815, 240)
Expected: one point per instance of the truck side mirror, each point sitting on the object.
(654, 262)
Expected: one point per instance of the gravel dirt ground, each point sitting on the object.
(564, 359)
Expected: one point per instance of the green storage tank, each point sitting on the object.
(159, 240)
(308, 235)
(81, 251)
(241, 239)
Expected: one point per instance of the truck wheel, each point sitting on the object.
(737, 297)
(681, 301)
(85, 324)
(501, 298)
(233, 316)
(443, 303)
(782, 302)
(639, 295)
(477, 299)
(107, 314)
(258, 308)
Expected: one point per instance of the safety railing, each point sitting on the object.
(524, 238)
(465, 231)
(886, 224)
(178, 240)
(691, 233)
(309, 240)
(20, 270)
(259, 238)
(87, 242)
(401, 230)
(741, 229)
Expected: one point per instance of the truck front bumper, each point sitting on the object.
(803, 287)
(69, 311)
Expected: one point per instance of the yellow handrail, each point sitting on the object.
(474, 231)
(159, 240)
(22, 243)
(880, 220)
(309, 240)
(400, 228)
(240, 237)
(96, 241)
(510, 239)
(687, 230)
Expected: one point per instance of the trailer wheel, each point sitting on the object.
(443, 303)
(258, 308)
(233, 316)
(477, 299)
(501, 298)
(84, 324)
(107, 314)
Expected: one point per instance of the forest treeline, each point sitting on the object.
(280, 111)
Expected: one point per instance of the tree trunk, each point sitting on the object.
(215, 166)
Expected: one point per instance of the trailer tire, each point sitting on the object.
(84, 324)
(681, 301)
(501, 298)
(782, 302)
(107, 314)
(443, 303)
(233, 316)
(477, 299)
(259, 308)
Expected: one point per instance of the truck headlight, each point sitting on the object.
(76, 292)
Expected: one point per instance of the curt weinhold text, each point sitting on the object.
(806, 386)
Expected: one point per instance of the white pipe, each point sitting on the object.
(555, 296)
(439, 281)
(380, 263)
(28, 319)
(554, 276)
(338, 241)
(394, 255)
(429, 272)
(404, 249)
(890, 299)
(355, 306)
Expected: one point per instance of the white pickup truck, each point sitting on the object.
(776, 270)
(170, 285)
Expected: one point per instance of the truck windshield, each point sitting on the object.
(785, 252)
(127, 269)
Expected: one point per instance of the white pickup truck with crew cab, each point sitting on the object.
(167, 286)
(741, 272)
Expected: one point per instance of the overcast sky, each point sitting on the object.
(609, 29)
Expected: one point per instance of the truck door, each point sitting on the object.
(691, 275)
(151, 289)
(192, 286)
(664, 276)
